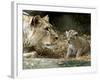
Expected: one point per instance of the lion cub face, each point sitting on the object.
(71, 35)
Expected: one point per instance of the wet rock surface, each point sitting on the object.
(38, 63)
(30, 63)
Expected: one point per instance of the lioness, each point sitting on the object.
(77, 45)
(37, 31)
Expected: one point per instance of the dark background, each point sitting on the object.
(63, 21)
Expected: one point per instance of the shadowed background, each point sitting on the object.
(80, 22)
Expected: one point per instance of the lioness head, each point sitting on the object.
(39, 30)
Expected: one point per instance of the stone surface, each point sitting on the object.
(38, 63)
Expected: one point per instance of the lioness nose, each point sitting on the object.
(56, 37)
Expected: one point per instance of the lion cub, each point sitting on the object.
(77, 46)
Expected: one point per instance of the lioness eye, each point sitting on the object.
(47, 28)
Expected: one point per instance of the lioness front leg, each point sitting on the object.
(32, 54)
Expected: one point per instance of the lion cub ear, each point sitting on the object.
(67, 33)
(46, 18)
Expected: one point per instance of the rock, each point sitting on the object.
(34, 63)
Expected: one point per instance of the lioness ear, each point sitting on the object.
(46, 18)
(35, 20)
(31, 20)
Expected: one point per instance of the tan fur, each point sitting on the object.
(38, 30)
(77, 46)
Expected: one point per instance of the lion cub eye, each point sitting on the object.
(76, 35)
